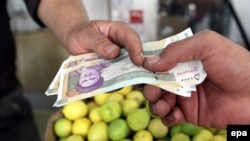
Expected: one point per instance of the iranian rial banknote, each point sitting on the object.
(70, 62)
(87, 75)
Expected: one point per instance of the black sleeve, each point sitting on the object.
(32, 6)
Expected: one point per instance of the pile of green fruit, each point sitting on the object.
(123, 115)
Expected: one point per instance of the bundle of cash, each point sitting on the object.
(87, 75)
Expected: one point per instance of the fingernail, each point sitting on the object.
(110, 49)
(153, 59)
(142, 56)
(141, 59)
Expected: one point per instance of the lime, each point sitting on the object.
(63, 139)
(166, 138)
(157, 128)
(81, 126)
(175, 129)
(218, 138)
(137, 95)
(143, 135)
(115, 96)
(75, 110)
(129, 105)
(110, 110)
(125, 90)
(180, 137)
(118, 129)
(126, 140)
(213, 130)
(101, 98)
(62, 127)
(98, 132)
(94, 114)
(190, 129)
(203, 135)
(138, 119)
(222, 132)
(91, 105)
(75, 138)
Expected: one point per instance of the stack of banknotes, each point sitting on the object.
(87, 75)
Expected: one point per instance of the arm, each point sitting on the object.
(61, 16)
(68, 20)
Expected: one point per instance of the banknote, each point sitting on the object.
(93, 76)
(70, 62)
(155, 48)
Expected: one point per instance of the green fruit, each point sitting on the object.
(218, 138)
(180, 137)
(118, 129)
(125, 90)
(81, 126)
(203, 135)
(190, 129)
(143, 135)
(98, 132)
(75, 110)
(101, 98)
(175, 129)
(75, 138)
(213, 130)
(138, 119)
(63, 139)
(222, 132)
(110, 110)
(126, 140)
(62, 127)
(115, 96)
(91, 105)
(166, 138)
(137, 95)
(129, 105)
(157, 128)
(94, 114)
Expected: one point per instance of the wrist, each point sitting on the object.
(62, 17)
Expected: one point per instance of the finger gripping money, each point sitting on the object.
(87, 75)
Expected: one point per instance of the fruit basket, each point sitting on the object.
(49, 132)
(120, 115)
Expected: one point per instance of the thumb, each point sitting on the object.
(189, 49)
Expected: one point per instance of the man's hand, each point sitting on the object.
(223, 98)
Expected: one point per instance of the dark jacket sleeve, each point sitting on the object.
(32, 6)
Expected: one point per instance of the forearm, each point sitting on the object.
(62, 16)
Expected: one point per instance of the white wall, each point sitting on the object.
(118, 10)
(243, 11)
(97, 9)
(147, 29)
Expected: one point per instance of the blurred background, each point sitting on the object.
(40, 55)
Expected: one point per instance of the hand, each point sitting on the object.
(71, 26)
(105, 38)
(223, 98)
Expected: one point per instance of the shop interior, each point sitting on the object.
(39, 54)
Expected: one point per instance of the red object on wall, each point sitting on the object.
(136, 16)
